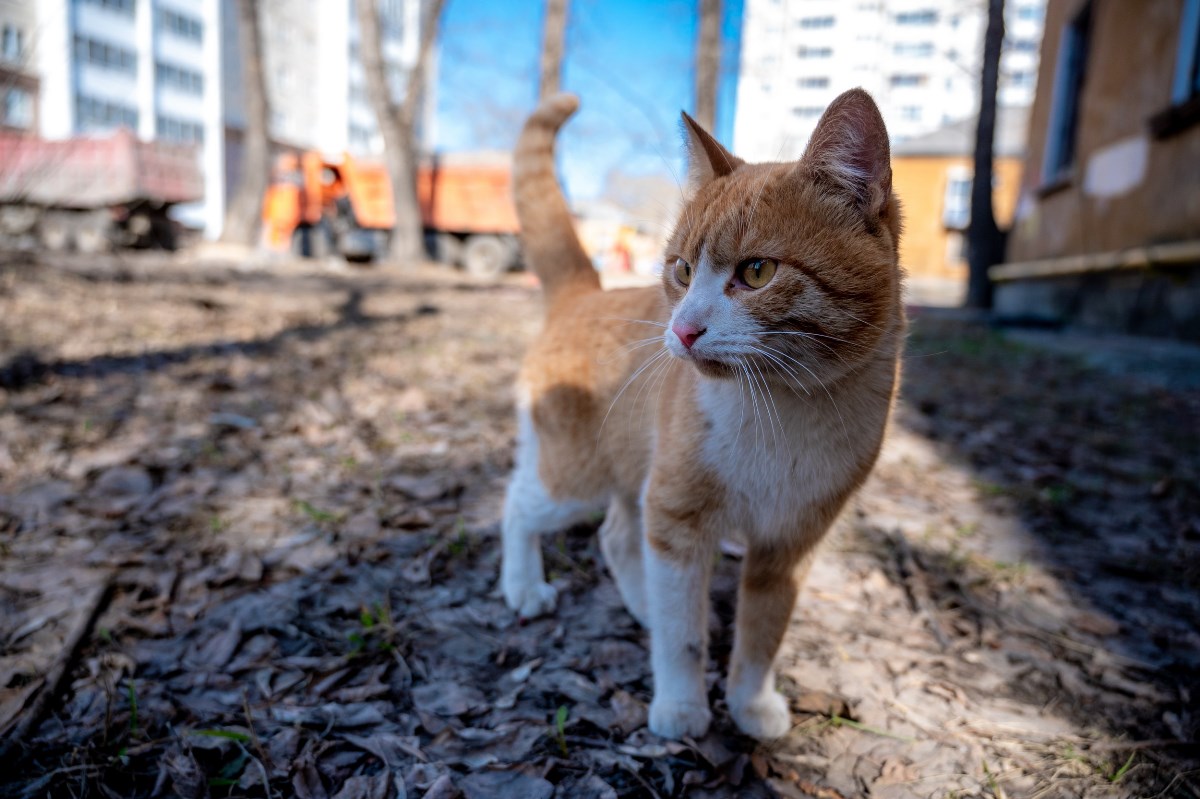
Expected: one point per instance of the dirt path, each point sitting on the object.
(250, 516)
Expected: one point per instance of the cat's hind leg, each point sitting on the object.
(621, 543)
(529, 512)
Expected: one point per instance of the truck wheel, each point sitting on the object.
(447, 249)
(485, 257)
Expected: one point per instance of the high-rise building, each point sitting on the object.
(919, 59)
(171, 69)
(18, 73)
(152, 66)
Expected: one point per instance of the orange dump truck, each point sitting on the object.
(93, 194)
(316, 206)
(467, 208)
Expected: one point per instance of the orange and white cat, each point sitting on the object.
(747, 396)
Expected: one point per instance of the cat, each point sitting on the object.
(757, 406)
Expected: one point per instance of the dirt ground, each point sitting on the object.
(248, 547)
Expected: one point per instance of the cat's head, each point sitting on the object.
(787, 271)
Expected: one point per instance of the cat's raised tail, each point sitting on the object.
(548, 237)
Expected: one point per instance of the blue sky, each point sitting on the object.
(630, 61)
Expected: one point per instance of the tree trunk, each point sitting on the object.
(708, 63)
(553, 41)
(397, 123)
(244, 214)
(985, 241)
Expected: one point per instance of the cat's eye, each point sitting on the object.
(757, 273)
(683, 272)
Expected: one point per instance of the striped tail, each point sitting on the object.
(547, 233)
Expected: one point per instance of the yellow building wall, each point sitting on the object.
(927, 248)
(1131, 65)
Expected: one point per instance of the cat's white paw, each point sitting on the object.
(765, 717)
(679, 719)
(531, 600)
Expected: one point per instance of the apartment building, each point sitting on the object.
(171, 69)
(920, 59)
(18, 77)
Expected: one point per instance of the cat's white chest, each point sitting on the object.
(776, 454)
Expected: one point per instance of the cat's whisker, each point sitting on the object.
(762, 184)
(625, 349)
(663, 325)
(652, 377)
(788, 378)
(663, 373)
(860, 321)
(758, 429)
(777, 421)
(815, 339)
(653, 359)
(781, 354)
(832, 401)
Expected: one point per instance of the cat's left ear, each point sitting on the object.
(849, 151)
(707, 159)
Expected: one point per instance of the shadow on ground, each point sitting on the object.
(247, 529)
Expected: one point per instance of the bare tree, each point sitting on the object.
(397, 121)
(708, 63)
(243, 216)
(553, 41)
(985, 240)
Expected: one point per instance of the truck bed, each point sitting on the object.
(96, 172)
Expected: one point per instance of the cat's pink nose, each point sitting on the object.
(687, 333)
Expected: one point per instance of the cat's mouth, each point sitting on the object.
(710, 368)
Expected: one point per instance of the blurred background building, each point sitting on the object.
(919, 59)
(1107, 227)
(171, 70)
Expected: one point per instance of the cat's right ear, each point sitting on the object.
(849, 152)
(707, 159)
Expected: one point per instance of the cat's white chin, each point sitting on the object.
(710, 368)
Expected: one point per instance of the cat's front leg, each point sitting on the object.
(770, 583)
(677, 578)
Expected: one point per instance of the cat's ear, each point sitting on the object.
(707, 159)
(849, 152)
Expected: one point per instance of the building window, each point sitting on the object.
(1023, 46)
(816, 22)
(814, 52)
(813, 83)
(911, 113)
(181, 25)
(956, 203)
(94, 114)
(1187, 64)
(18, 109)
(808, 111)
(14, 44)
(104, 55)
(1068, 86)
(360, 137)
(925, 17)
(913, 49)
(179, 79)
(120, 6)
(391, 19)
(179, 130)
(1021, 79)
(907, 80)
(1029, 12)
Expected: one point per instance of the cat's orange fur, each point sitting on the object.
(763, 428)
